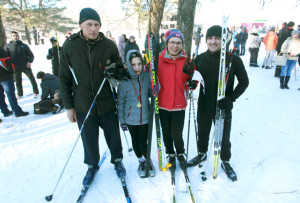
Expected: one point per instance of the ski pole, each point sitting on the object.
(114, 97)
(188, 136)
(49, 197)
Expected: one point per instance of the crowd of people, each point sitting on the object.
(88, 60)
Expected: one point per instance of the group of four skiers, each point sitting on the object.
(88, 58)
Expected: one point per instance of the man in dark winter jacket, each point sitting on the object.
(84, 57)
(22, 57)
(197, 38)
(7, 85)
(130, 45)
(53, 55)
(51, 92)
(207, 64)
(244, 40)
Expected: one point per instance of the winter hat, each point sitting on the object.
(40, 75)
(134, 55)
(272, 28)
(295, 32)
(215, 30)
(131, 37)
(89, 14)
(174, 33)
(291, 24)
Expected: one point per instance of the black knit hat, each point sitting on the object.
(215, 30)
(291, 24)
(89, 14)
(40, 75)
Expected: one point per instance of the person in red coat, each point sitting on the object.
(172, 98)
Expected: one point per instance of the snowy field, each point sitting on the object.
(265, 152)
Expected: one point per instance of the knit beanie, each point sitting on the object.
(291, 24)
(89, 14)
(174, 33)
(215, 30)
(295, 32)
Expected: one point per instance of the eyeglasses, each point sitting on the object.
(175, 43)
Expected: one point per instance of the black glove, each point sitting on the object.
(192, 84)
(125, 74)
(124, 127)
(117, 71)
(188, 67)
(225, 103)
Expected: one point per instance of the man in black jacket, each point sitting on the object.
(51, 93)
(83, 59)
(208, 64)
(53, 55)
(22, 57)
(7, 86)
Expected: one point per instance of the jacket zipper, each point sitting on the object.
(141, 109)
(91, 73)
(129, 111)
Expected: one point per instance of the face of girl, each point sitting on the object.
(136, 65)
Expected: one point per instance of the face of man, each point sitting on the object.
(164, 39)
(54, 44)
(174, 46)
(213, 44)
(15, 37)
(136, 65)
(131, 40)
(90, 29)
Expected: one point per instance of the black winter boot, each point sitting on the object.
(281, 82)
(286, 81)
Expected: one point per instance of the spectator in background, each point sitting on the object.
(34, 35)
(22, 57)
(41, 36)
(244, 40)
(197, 38)
(229, 39)
(270, 41)
(109, 36)
(53, 55)
(254, 44)
(162, 44)
(7, 85)
(121, 47)
(131, 45)
(238, 42)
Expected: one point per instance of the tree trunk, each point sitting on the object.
(2, 33)
(27, 34)
(185, 21)
(157, 7)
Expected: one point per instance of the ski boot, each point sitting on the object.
(141, 169)
(229, 170)
(182, 161)
(89, 176)
(197, 159)
(120, 169)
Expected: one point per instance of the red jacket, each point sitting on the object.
(173, 91)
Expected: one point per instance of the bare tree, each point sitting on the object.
(185, 21)
(2, 32)
(157, 11)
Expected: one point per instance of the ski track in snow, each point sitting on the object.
(265, 152)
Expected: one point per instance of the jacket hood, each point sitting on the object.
(48, 76)
(121, 39)
(130, 70)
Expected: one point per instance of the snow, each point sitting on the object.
(265, 152)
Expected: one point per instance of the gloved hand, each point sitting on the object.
(147, 67)
(192, 84)
(225, 103)
(117, 71)
(188, 67)
(125, 74)
(124, 127)
(156, 89)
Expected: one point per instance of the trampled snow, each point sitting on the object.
(265, 152)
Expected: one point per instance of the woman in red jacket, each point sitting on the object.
(172, 98)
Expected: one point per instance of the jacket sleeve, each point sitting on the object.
(242, 77)
(66, 80)
(121, 103)
(45, 91)
(284, 47)
(6, 49)
(49, 56)
(29, 54)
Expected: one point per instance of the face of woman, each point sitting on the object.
(136, 65)
(174, 46)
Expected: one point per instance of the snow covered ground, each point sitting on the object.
(265, 152)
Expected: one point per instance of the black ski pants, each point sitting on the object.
(253, 55)
(172, 126)
(18, 80)
(90, 136)
(139, 137)
(204, 127)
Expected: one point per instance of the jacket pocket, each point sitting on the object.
(129, 111)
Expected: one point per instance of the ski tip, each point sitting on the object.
(49, 198)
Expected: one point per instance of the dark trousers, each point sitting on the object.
(55, 68)
(172, 126)
(204, 127)
(139, 136)
(90, 136)
(253, 55)
(9, 87)
(18, 80)
(243, 45)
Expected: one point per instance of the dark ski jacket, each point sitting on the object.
(284, 33)
(20, 54)
(53, 56)
(130, 46)
(245, 37)
(6, 66)
(50, 84)
(88, 60)
(208, 65)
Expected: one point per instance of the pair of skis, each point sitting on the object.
(85, 188)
